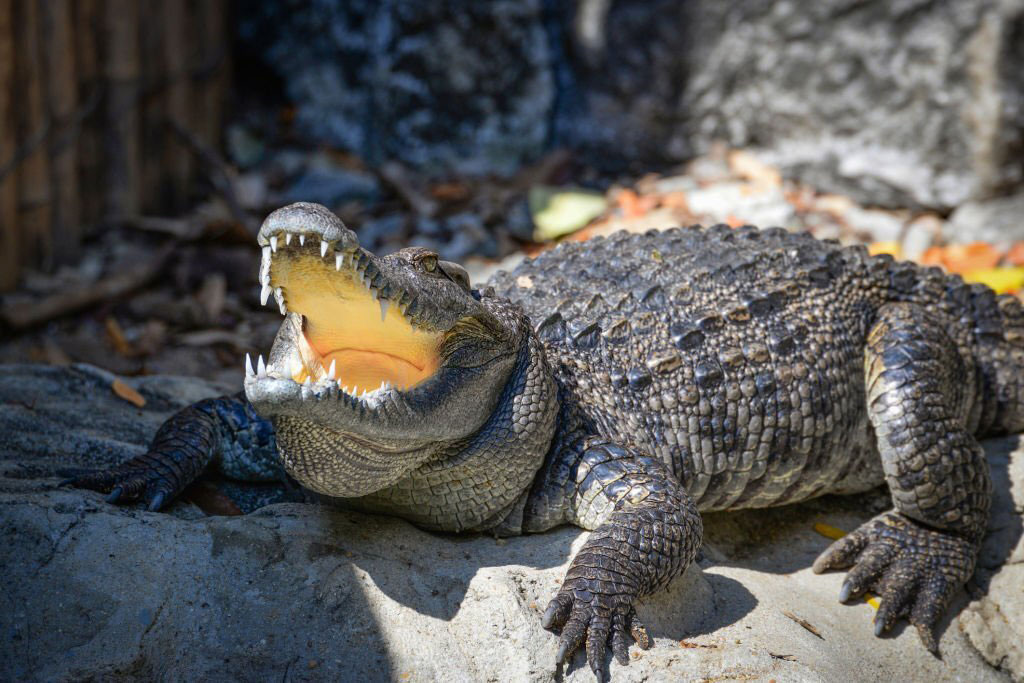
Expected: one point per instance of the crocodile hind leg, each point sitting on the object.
(224, 429)
(920, 394)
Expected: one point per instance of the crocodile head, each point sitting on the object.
(380, 361)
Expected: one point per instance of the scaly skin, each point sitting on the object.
(626, 383)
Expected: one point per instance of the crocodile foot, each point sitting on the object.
(914, 569)
(594, 611)
(142, 477)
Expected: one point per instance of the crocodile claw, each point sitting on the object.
(915, 570)
(582, 617)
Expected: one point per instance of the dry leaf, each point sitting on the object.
(932, 256)
(892, 248)
(117, 338)
(960, 258)
(1002, 280)
(127, 393)
(1015, 256)
(629, 202)
(746, 165)
(829, 531)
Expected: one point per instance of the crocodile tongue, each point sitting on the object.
(369, 340)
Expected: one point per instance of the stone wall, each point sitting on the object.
(912, 102)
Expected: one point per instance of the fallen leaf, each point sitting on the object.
(788, 658)
(746, 165)
(1002, 280)
(450, 192)
(127, 393)
(960, 258)
(558, 211)
(829, 531)
(629, 201)
(932, 256)
(1015, 256)
(117, 337)
(891, 248)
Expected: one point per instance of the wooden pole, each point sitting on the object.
(213, 61)
(177, 161)
(61, 105)
(89, 152)
(121, 70)
(151, 172)
(34, 171)
(10, 263)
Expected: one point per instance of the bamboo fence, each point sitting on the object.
(92, 93)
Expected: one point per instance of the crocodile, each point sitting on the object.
(624, 384)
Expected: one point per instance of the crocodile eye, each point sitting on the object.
(429, 262)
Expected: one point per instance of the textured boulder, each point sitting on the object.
(303, 592)
(443, 84)
(902, 103)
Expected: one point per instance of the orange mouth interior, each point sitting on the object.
(342, 324)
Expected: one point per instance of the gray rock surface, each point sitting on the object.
(304, 592)
(897, 103)
(444, 84)
(999, 221)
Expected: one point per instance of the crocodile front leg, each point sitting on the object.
(646, 532)
(224, 429)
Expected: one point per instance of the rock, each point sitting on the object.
(999, 221)
(453, 85)
(895, 103)
(306, 592)
(331, 185)
(994, 622)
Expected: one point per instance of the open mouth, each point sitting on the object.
(356, 330)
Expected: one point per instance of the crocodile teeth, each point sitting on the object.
(261, 367)
(265, 267)
(331, 370)
(279, 296)
(249, 372)
(323, 248)
(383, 309)
(338, 260)
(265, 294)
(273, 243)
(302, 240)
(287, 238)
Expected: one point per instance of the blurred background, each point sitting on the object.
(141, 144)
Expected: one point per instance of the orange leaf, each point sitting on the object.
(932, 256)
(127, 393)
(960, 258)
(1015, 257)
(629, 201)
